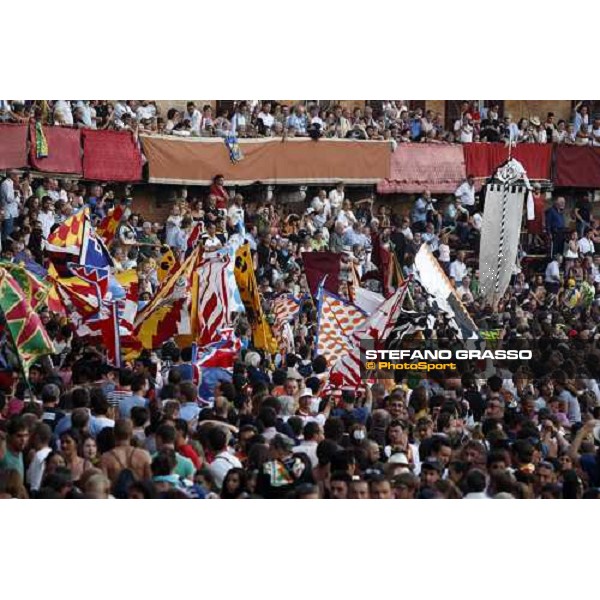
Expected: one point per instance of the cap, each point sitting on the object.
(399, 458)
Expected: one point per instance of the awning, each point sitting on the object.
(64, 151)
(273, 160)
(438, 167)
(111, 156)
(577, 166)
(13, 146)
(482, 159)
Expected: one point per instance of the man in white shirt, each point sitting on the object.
(313, 434)
(224, 460)
(211, 241)
(465, 193)
(586, 244)
(346, 216)
(458, 269)
(42, 435)
(552, 275)
(336, 198)
(9, 202)
(265, 116)
(145, 111)
(235, 214)
(46, 216)
(193, 115)
(63, 113)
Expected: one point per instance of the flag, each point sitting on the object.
(35, 290)
(93, 250)
(367, 300)
(262, 335)
(378, 327)
(195, 235)
(94, 275)
(436, 283)
(168, 313)
(26, 330)
(81, 298)
(337, 319)
(317, 265)
(346, 371)
(285, 309)
(222, 353)
(128, 305)
(41, 143)
(105, 325)
(212, 297)
(166, 263)
(69, 234)
(107, 228)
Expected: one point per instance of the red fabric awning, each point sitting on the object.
(438, 167)
(482, 159)
(64, 151)
(111, 156)
(13, 146)
(577, 166)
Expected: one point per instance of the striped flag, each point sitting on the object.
(285, 309)
(212, 298)
(337, 320)
(195, 235)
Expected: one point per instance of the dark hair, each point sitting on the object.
(98, 401)
(137, 382)
(105, 440)
(242, 487)
(80, 398)
(311, 430)
(164, 462)
(334, 429)
(325, 451)
(342, 460)
(166, 433)
(16, 425)
(139, 415)
(267, 416)
(125, 377)
(217, 439)
(475, 481)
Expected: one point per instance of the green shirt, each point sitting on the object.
(184, 468)
(14, 461)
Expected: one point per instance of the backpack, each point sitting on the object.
(125, 479)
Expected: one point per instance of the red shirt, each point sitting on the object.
(221, 195)
(187, 451)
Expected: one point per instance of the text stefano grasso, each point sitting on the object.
(448, 354)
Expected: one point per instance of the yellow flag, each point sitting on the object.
(167, 263)
(262, 335)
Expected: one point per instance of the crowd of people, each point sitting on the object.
(275, 427)
(379, 120)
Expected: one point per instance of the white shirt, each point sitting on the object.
(477, 221)
(466, 193)
(235, 214)
(310, 449)
(194, 119)
(335, 200)
(8, 199)
(219, 467)
(46, 220)
(585, 245)
(267, 118)
(35, 472)
(145, 112)
(444, 255)
(458, 270)
(63, 107)
(552, 272)
(346, 218)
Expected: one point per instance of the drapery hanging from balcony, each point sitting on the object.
(13, 146)
(271, 160)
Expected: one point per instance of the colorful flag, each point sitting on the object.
(337, 321)
(35, 290)
(128, 305)
(167, 263)
(94, 252)
(107, 228)
(105, 326)
(41, 143)
(195, 235)
(168, 313)
(285, 309)
(69, 234)
(222, 353)
(80, 297)
(94, 275)
(28, 334)
(246, 282)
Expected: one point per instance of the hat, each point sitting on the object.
(282, 442)
(399, 458)
(535, 121)
(432, 465)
